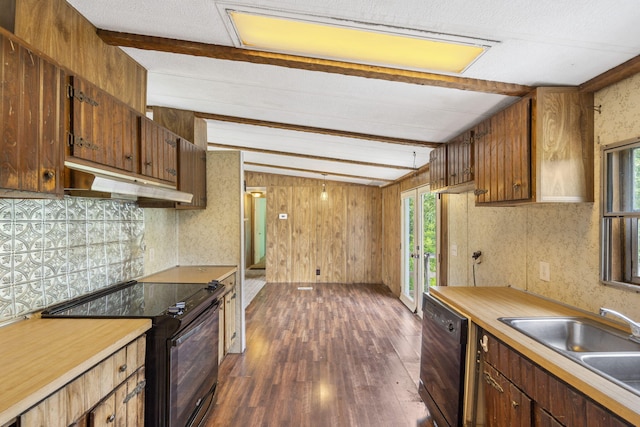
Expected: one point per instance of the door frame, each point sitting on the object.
(416, 194)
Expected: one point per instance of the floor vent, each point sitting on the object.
(305, 288)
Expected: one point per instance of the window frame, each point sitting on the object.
(619, 244)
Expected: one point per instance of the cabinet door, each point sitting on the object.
(503, 155)
(31, 121)
(438, 168)
(506, 405)
(460, 160)
(230, 319)
(544, 419)
(222, 348)
(192, 174)
(158, 151)
(103, 130)
(104, 414)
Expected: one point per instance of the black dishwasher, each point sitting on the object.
(442, 362)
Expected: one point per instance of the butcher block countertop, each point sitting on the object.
(484, 305)
(40, 356)
(191, 274)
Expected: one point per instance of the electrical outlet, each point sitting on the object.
(317, 272)
(545, 274)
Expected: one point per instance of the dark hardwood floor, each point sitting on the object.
(336, 355)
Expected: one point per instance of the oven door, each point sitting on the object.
(193, 369)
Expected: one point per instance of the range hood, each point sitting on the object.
(90, 181)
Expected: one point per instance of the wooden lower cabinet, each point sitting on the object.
(123, 407)
(228, 332)
(520, 393)
(109, 394)
(506, 404)
(230, 300)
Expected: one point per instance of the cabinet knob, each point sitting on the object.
(514, 404)
(516, 185)
(148, 163)
(111, 418)
(49, 174)
(128, 157)
(123, 368)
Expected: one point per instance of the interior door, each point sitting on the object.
(420, 245)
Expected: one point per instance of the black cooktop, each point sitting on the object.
(135, 299)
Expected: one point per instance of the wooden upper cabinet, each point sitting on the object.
(460, 160)
(538, 150)
(31, 122)
(158, 151)
(438, 168)
(103, 130)
(451, 165)
(502, 151)
(192, 174)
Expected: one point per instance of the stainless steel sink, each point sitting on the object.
(601, 348)
(622, 367)
(575, 334)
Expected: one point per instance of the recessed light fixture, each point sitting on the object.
(354, 42)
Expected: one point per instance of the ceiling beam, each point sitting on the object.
(264, 165)
(308, 156)
(229, 53)
(311, 129)
(614, 75)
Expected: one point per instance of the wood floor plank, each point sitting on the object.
(336, 355)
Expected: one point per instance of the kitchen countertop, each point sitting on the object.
(191, 274)
(40, 356)
(484, 305)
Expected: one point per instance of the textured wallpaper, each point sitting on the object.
(54, 250)
(214, 235)
(514, 240)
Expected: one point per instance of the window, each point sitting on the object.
(620, 253)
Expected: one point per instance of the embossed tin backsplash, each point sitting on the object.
(55, 250)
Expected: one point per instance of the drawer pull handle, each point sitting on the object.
(493, 383)
(123, 368)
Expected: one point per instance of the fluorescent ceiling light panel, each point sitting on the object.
(353, 44)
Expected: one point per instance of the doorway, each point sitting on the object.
(420, 211)
(255, 227)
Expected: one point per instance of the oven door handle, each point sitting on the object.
(200, 324)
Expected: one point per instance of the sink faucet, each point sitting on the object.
(635, 326)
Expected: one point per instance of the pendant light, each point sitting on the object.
(324, 196)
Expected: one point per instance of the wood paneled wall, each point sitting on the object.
(391, 237)
(342, 236)
(59, 31)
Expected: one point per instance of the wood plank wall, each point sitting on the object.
(59, 31)
(342, 237)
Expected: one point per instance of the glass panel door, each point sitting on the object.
(409, 252)
(420, 245)
(429, 244)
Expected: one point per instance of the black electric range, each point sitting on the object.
(181, 362)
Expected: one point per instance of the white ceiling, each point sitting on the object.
(542, 42)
